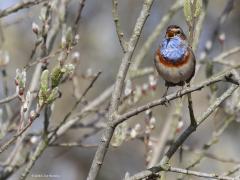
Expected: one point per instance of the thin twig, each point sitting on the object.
(167, 134)
(19, 6)
(74, 144)
(212, 141)
(14, 138)
(232, 171)
(8, 99)
(210, 155)
(221, 58)
(79, 15)
(199, 174)
(217, 28)
(120, 34)
(42, 60)
(38, 152)
(77, 103)
(187, 172)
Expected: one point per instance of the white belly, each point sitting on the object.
(176, 74)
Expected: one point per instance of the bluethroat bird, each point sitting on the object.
(174, 59)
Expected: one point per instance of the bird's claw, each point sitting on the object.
(179, 93)
(166, 101)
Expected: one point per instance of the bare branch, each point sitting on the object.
(19, 6)
(120, 34)
(199, 174)
(163, 164)
(14, 138)
(8, 99)
(53, 136)
(123, 69)
(212, 141)
(79, 15)
(170, 97)
(221, 58)
(74, 144)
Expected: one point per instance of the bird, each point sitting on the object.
(174, 59)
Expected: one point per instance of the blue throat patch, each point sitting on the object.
(173, 49)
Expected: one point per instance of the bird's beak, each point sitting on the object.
(170, 34)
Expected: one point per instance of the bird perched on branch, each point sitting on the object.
(174, 59)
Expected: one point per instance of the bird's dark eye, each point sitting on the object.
(178, 32)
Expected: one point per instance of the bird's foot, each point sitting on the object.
(166, 101)
(179, 93)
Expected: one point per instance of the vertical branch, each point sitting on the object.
(199, 25)
(191, 37)
(191, 25)
(155, 34)
(122, 72)
(190, 108)
(117, 25)
(126, 60)
(5, 123)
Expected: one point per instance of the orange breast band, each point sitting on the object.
(167, 63)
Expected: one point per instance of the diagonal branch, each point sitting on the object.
(221, 77)
(79, 15)
(163, 164)
(19, 6)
